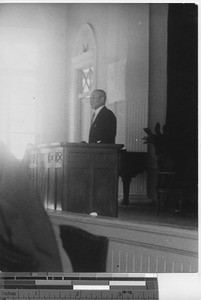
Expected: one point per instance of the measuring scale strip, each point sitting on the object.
(88, 294)
(101, 287)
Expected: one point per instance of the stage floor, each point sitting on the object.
(146, 213)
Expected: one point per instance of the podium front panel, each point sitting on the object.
(77, 177)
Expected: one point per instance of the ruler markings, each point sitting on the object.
(79, 286)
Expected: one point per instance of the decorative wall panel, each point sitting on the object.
(137, 116)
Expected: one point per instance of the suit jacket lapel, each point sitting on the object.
(99, 116)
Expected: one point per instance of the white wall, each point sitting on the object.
(36, 34)
(47, 35)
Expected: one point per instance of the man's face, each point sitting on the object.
(96, 100)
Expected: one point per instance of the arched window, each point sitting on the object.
(84, 81)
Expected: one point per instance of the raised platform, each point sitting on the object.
(137, 246)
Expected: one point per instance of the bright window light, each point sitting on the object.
(19, 142)
(17, 92)
(17, 116)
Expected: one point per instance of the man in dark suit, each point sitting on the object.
(104, 123)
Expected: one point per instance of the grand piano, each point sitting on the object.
(131, 164)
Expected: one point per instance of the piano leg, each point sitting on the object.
(126, 188)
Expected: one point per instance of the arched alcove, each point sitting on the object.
(85, 41)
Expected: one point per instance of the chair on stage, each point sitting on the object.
(169, 192)
(169, 188)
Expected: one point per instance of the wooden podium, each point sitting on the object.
(77, 177)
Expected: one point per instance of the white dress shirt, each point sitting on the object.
(96, 112)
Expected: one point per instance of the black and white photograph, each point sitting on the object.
(99, 137)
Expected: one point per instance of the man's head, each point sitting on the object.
(97, 99)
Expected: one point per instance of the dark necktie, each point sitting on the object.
(92, 118)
